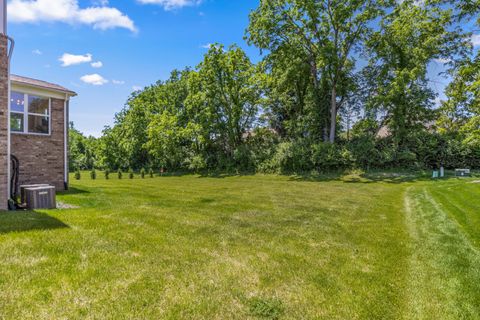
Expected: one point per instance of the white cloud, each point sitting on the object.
(97, 64)
(118, 82)
(136, 88)
(172, 4)
(68, 11)
(476, 40)
(210, 46)
(37, 52)
(443, 60)
(102, 3)
(71, 59)
(94, 79)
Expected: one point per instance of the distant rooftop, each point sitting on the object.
(40, 84)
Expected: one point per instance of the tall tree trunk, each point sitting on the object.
(333, 114)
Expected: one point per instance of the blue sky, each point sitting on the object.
(164, 38)
(104, 49)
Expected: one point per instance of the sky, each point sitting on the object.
(106, 53)
(106, 49)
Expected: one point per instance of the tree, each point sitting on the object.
(461, 111)
(224, 96)
(169, 142)
(82, 151)
(410, 37)
(324, 35)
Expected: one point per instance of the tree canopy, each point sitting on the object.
(341, 84)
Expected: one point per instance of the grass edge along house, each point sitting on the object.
(33, 126)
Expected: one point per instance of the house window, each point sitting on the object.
(29, 113)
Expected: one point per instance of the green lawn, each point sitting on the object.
(246, 247)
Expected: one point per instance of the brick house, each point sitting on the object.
(38, 130)
(33, 125)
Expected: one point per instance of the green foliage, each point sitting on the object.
(409, 38)
(77, 174)
(196, 163)
(119, 174)
(228, 114)
(364, 152)
(330, 157)
(317, 39)
(289, 157)
(151, 173)
(131, 174)
(83, 151)
(93, 174)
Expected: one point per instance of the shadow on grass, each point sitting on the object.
(370, 177)
(223, 175)
(208, 174)
(387, 176)
(21, 221)
(72, 190)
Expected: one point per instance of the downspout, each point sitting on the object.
(65, 139)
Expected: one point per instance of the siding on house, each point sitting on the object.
(42, 157)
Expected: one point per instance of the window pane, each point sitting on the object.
(16, 122)
(37, 124)
(17, 102)
(37, 105)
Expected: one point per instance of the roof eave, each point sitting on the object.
(67, 92)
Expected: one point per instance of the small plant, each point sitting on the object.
(142, 173)
(93, 174)
(107, 174)
(150, 172)
(120, 174)
(131, 175)
(77, 175)
(266, 308)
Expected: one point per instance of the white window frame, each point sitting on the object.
(26, 113)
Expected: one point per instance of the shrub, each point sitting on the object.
(120, 174)
(93, 174)
(131, 175)
(196, 163)
(77, 175)
(262, 146)
(407, 159)
(364, 152)
(327, 156)
(142, 173)
(243, 158)
(107, 174)
(289, 157)
(150, 172)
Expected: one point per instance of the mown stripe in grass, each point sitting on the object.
(444, 267)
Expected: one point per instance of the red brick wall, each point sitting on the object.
(42, 158)
(3, 122)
